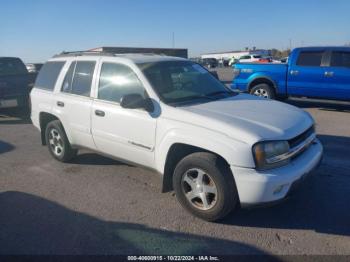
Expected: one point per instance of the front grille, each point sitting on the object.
(300, 138)
(296, 141)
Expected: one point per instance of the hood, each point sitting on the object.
(249, 118)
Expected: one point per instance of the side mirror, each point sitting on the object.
(134, 101)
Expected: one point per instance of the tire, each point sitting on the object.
(263, 90)
(58, 143)
(213, 173)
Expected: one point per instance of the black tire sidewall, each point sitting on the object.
(227, 194)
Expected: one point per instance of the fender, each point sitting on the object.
(233, 151)
(261, 76)
(279, 86)
(57, 113)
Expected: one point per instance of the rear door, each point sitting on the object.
(73, 101)
(306, 73)
(337, 75)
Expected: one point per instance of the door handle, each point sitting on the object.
(294, 72)
(99, 113)
(59, 103)
(328, 74)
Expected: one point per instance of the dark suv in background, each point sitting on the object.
(15, 83)
(209, 62)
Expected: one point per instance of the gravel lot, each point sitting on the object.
(96, 205)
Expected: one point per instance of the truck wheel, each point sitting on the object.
(58, 143)
(263, 90)
(204, 186)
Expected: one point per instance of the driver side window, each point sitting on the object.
(117, 80)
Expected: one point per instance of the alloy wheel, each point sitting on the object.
(56, 142)
(199, 189)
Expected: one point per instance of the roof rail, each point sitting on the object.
(101, 53)
(80, 53)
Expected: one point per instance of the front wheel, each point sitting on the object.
(263, 90)
(204, 186)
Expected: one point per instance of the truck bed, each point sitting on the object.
(250, 71)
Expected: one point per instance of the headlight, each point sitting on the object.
(269, 154)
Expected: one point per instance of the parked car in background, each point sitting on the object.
(34, 68)
(210, 62)
(315, 72)
(232, 61)
(265, 59)
(284, 60)
(226, 62)
(15, 83)
(249, 58)
(217, 149)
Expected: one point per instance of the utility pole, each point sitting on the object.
(290, 44)
(173, 40)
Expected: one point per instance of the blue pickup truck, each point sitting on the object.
(315, 72)
(15, 83)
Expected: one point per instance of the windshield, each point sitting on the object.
(183, 81)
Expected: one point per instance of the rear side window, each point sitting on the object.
(48, 75)
(78, 78)
(82, 79)
(340, 59)
(117, 80)
(310, 58)
(12, 66)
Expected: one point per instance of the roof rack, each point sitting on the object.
(101, 53)
(81, 53)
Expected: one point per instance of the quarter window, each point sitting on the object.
(340, 59)
(117, 80)
(48, 75)
(310, 58)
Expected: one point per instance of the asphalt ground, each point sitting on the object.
(96, 205)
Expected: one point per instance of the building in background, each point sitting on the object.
(178, 52)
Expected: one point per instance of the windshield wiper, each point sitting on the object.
(219, 93)
(200, 97)
(210, 96)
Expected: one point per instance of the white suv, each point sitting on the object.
(217, 149)
(250, 58)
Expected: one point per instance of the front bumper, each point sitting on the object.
(262, 187)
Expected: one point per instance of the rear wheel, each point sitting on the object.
(204, 186)
(263, 90)
(58, 143)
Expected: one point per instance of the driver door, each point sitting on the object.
(127, 134)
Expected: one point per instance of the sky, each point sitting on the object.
(35, 30)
